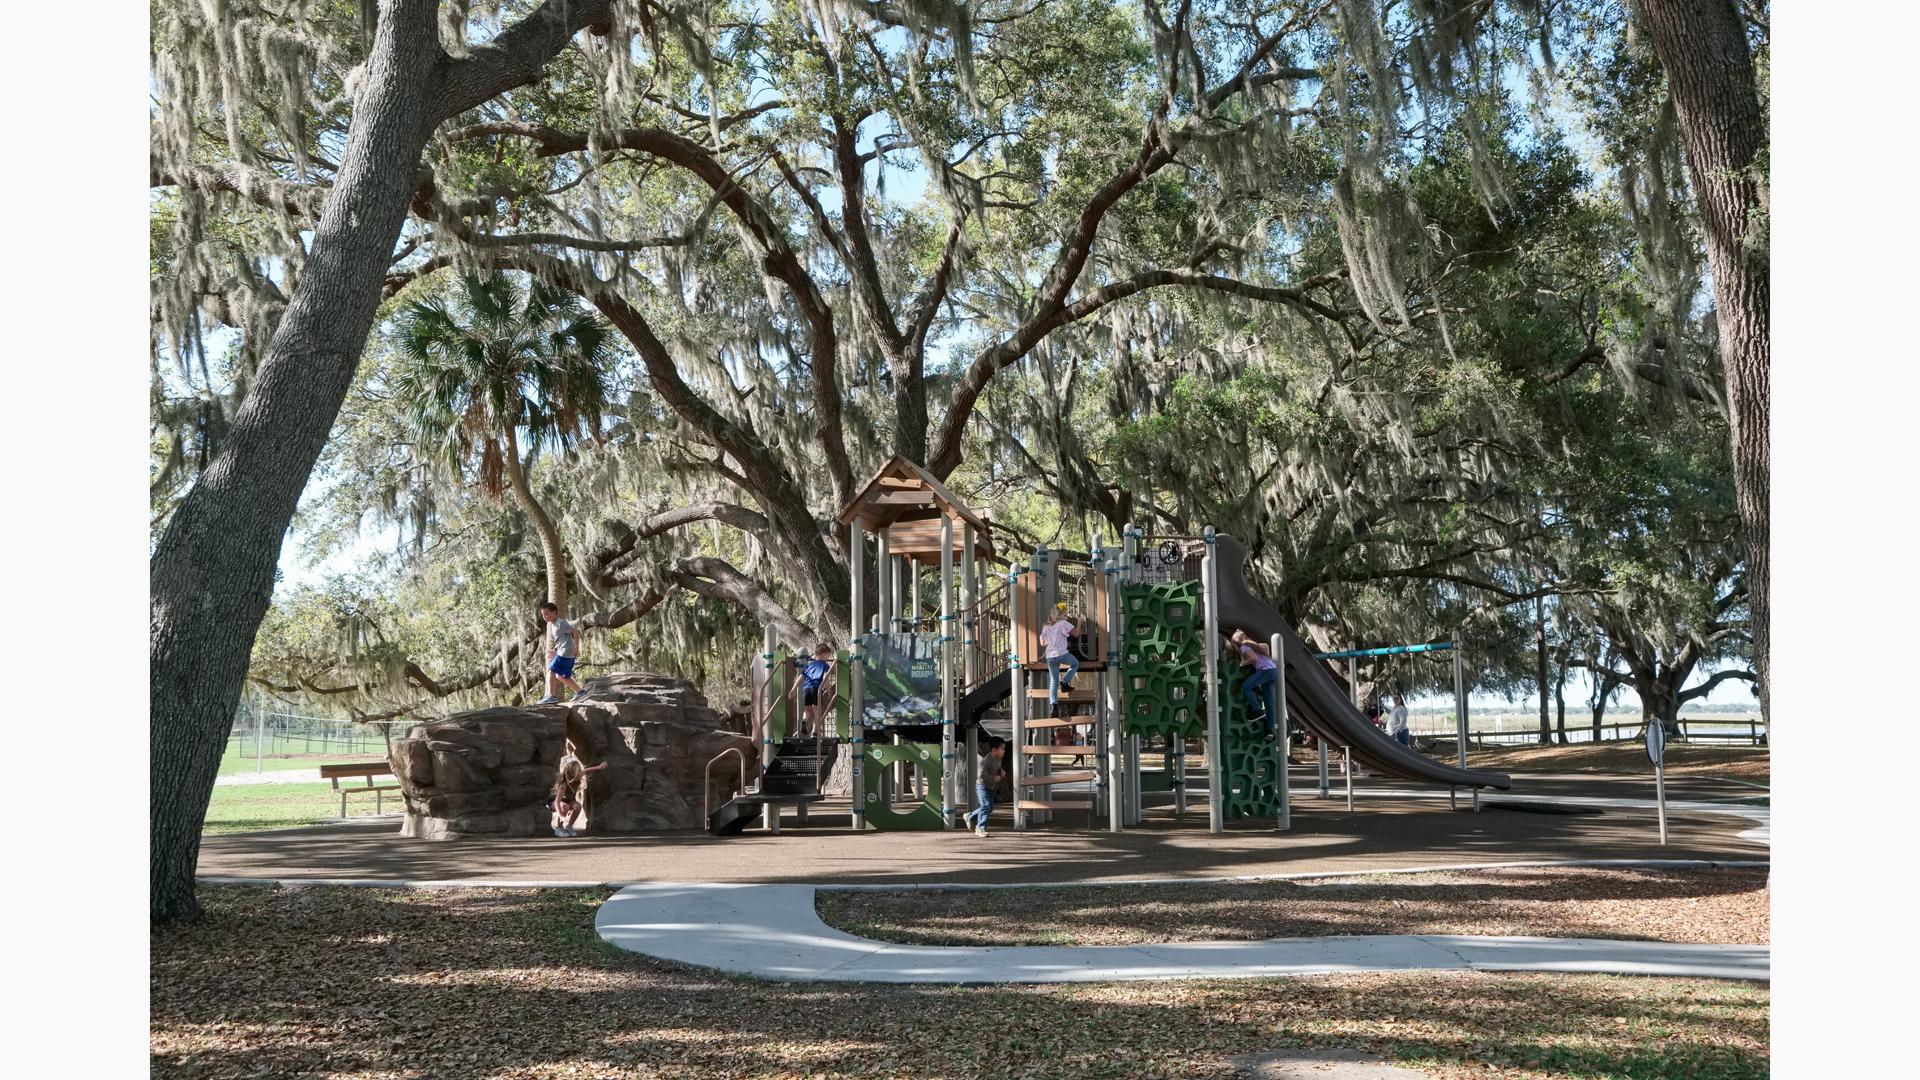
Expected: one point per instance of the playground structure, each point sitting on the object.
(939, 660)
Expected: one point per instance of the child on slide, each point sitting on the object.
(1265, 673)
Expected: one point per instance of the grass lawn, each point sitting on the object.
(239, 757)
(1713, 906)
(251, 807)
(1683, 759)
(514, 984)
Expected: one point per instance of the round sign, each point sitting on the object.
(1169, 552)
(1656, 742)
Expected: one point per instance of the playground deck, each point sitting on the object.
(1385, 831)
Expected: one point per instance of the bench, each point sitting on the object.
(365, 769)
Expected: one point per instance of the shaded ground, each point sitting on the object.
(1682, 759)
(505, 984)
(1723, 907)
(1382, 832)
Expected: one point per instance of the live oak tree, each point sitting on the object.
(1099, 195)
(1707, 50)
(212, 567)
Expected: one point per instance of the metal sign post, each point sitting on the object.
(1657, 753)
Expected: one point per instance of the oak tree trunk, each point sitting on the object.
(550, 549)
(1702, 45)
(211, 573)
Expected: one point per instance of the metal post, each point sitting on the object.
(1283, 738)
(948, 699)
(969, 603)
(856, 676)
(1216, 764)
(883, 572)
(1660, 797)
(1115, 695)
(769, 812)
(1135, 801)
(259, 739)
(1320, 744)
(1346, 755)
(1459, 703)
(1017, 682)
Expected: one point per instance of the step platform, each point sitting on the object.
(1037, 725)
(1079, 695)
(1068, 750)
(1044, 779)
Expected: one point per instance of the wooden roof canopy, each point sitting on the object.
(907, 503)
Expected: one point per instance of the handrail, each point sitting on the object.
(706, 780)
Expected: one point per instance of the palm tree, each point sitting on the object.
(495, 361)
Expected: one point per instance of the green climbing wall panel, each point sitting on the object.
(887, 817)
(1162, 659)
(1252, 777)
(1163, 662)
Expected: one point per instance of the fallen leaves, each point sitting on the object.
(514, 984)
(1728, 906)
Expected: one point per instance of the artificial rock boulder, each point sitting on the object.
(490, 772)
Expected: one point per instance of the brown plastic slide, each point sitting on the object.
(1318, 702)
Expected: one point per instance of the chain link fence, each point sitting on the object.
(266, 739)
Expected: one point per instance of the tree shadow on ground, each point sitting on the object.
(516, 984)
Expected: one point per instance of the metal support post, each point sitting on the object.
(1459, 704)
(1216, 765)
(1283, 738)
(769, 812)
(949, 701)
(883, 591)
(1017, 682)
(1346, 753)
(856, 675)
(260, 739)
(1116, 697)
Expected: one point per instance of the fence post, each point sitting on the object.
(259, 736)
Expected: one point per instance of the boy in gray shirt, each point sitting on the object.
(563, 645)
(985, 779)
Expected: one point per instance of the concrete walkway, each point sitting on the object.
(773, 932)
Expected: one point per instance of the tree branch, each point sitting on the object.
(516, 55)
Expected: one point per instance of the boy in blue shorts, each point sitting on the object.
(811, 688)
(563, 646)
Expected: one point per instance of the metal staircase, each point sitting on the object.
(794, 776)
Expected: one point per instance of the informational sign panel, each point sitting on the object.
(1656, 742)
(902, 679)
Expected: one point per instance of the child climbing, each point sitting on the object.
(563, 645)
(811, 687)
(568, 783)
(1265, 673)
(1054, 637)
(984, 780)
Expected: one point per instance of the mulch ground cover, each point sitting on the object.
(1728, 907)
(508, 984)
